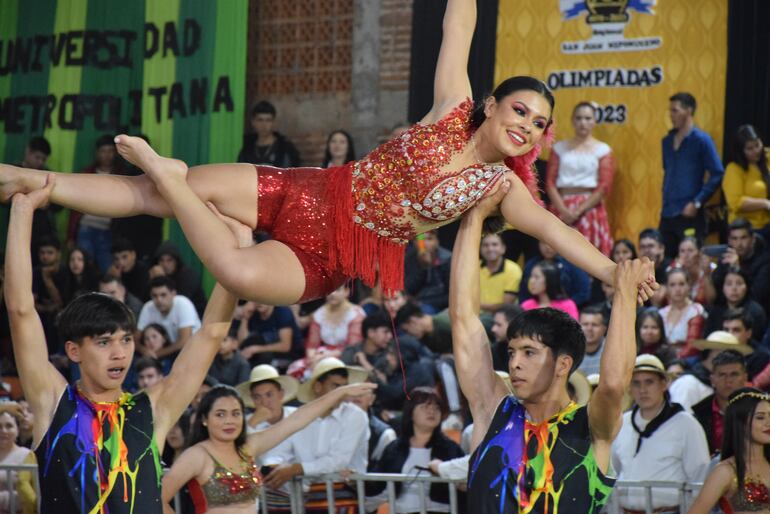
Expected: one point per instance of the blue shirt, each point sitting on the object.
(684, 170)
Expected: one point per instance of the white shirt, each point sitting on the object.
(677, 451)
(687, 390)
(409, 500)
(579, 168)
(331, 444)
(181, 315)
(269, 457)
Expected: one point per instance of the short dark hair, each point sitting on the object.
(375, 320)
(263, 107)
(740, 224)
(48, 240)
(739, 314)
(337, 372)
(651, 233)
(555, 329)
(595, 310)
(162, 281)
(121, 244)
(686, 99)
(105, 140)
(726, 357)
(148, 362)
(39, 144)
(408, 311)
(510, 311)
(109, 278)
(94, 314)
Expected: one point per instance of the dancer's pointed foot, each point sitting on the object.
(136, 151)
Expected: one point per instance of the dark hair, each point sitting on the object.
(510, 86)
(510, 311)
(121, 244)
(740, 224)
(408, 311)
(337, 372)
(148, 362)
(199, 432)
(552, 275)
(628, 244)
(651, 233)
(734, 270)
(162, 281)
(375, 320)
(726, 357)
(263, 107)
(418, 396)
(160, 329)
(653, 314)
(104, 140)
(582, 104)
(686, 99)
(39, 144)
(555, 329)
(595, 310)
(742, 315)
(678, 269)
(94, 314)
(71, 285)
(48, 240)
(737, 432)
(746, 134)
(350, 156)
(109, 278)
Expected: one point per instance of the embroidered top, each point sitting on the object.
(581, 168)
(544, 468)
(226, 487)
(100, 457)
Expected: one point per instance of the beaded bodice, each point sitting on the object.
(226, 487)
(399, 190)
(755, 497)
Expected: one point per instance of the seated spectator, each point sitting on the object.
(168, 262)
(651, 246)
(175, 312)
(739, 324)
(748, 251)
(80, 275)
(676, 368)
(268, 334)
(421, 442)
(175, 440)
(36, 153)
(699, 269)
(682, 317)
(339, 149)
(13, 455)
(727, 376)
(152, 340)
(545, 287)
(26, 423)
(500, 277)
(48, 301)
(426, 273)
(377, 332)
(229, 366)
(336, 325)
(380, 433)
(269, 391)
(651, 335)
(622, 250)
(745, 180)
(433, 331)
(576, 282)
(113, 286)
(149, 372)
(132, 272)
(500, 322)
(265, 145)
(735, 294)
(594, 326)
(658, 440)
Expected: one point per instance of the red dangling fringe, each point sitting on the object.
(355, 250)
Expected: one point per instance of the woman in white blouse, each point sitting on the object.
(579, 176)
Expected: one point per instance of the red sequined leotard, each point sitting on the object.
(355, 220)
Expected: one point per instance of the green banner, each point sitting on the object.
(72, 70)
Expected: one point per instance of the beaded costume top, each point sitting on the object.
(755, 497)
(226, 487)
(398, 190)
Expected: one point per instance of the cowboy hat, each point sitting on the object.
(356, 375)
(651, 364)
(263, 373)
(582, 387)
(722, 340)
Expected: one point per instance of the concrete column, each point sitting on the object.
(365, 80)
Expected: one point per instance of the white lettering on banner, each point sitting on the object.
(606, 77)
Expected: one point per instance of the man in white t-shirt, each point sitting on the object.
(176, 313)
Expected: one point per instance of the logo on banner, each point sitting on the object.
(608, 20)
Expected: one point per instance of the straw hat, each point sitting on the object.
(356, 375)
(582, 387)
(650, 363)
(265, 372)
(593, 379)
(721, 340)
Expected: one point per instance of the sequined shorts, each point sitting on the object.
(294, 209)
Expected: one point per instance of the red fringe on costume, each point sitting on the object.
(355, 250)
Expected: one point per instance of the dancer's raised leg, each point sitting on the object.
(267, 273)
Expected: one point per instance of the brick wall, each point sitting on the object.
(396, 40)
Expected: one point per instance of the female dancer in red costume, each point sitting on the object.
(353, 220)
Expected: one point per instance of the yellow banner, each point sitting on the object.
(629, 56)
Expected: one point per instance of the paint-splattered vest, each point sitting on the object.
(100, 457)
(549, 468)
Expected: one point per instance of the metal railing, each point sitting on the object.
(11, 483)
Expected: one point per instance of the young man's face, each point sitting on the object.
(114, 289)
(648, 389)
(104, 359)
(379, 337)
(270, 396)
(48, 255)
(163, 298)
(499, 327)
(678, 114)
(531, 366)
(168, 264)
(415, 327)
(228, 346)
(148, 377)
(263, 124)
(737, 328)
(328, 384)
(125, 260)
(650, 248)
(742, 241)
(492, 248)
(593, 328)
(727, 379)
(34, 159)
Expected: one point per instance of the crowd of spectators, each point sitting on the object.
(701, 337)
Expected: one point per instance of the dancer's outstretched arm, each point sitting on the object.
(473, 357)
